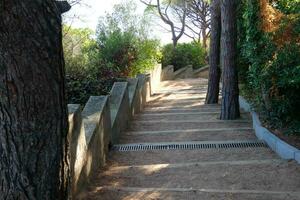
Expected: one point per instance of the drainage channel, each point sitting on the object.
(189, 146)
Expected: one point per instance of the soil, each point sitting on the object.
(293, 140)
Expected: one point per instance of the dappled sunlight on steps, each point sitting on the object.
(177, 113)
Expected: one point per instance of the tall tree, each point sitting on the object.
(198, 21)
(212, 96)
(230, 91)
(33, 111)
(173, 13)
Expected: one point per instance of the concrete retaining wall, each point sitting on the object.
(283, 149)
(119, 110)
(202, 72)
(168, 73)
(186, 72)
(101, 123)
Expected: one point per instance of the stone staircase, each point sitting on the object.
(198, 155)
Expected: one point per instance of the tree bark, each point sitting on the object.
(204, 38)
(212, 96)
(33, 112)
(230, 91)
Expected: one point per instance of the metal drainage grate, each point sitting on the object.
(189, 146)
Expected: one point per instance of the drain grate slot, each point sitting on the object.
(190, 146)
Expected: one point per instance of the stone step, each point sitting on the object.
(184, 82)
(136, 193)
(195, 106)
(262, 175)
(165, 110)
(176, 96)
(186, 124)
(181, 103)
(171, 101)
(182, 156)
(188, 135)
(190, 92)
(185, 115)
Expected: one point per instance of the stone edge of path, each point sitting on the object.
(283, 149)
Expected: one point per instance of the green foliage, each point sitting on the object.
(183, 55)
(80, 51)
(82, 73)
(287, 6)
(124, 43)
(270, 72)
(122, 48)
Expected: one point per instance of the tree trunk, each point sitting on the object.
(230, 91)
(175, 42)
(212, 96)
(204, 38)
(33, 112)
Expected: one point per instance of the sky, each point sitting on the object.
(88, 13)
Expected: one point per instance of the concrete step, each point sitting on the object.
(174, 91)
(188, 135)
(186, 116)
(129, 193)
(184, 82)
(183, 103)
(271, 175)
(197, 108)
(171, 101)
(182, 156)
(176, 96)
(164, 110)
(186, 124)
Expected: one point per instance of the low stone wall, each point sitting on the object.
(202, 72)
(100, 124)
(119, 110)
(168, 73)
(283, 149)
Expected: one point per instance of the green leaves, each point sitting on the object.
(271, 72)
(123, 39)
(183, 55)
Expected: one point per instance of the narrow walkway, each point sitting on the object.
(197, 156)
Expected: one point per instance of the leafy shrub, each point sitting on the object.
(122, 48)
(125, 46)
(80, 89)
(287, 6)
(270, 68)
(183, 55)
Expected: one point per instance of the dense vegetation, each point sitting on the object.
(183, 55)
(120, 48)
(270, 61)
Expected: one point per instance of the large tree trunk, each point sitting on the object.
(230, 91)
(33, 111)
(212, 96)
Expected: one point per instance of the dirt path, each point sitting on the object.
(197, 156)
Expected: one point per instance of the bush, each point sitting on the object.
(270, 66)
(183, 55)
(122, 48)
(125, 46)
(127, 54)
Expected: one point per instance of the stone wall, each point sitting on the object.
(99, 125)
(168, 73)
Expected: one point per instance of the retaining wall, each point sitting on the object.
(283, 149)
(168, 73)
(93, 129)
